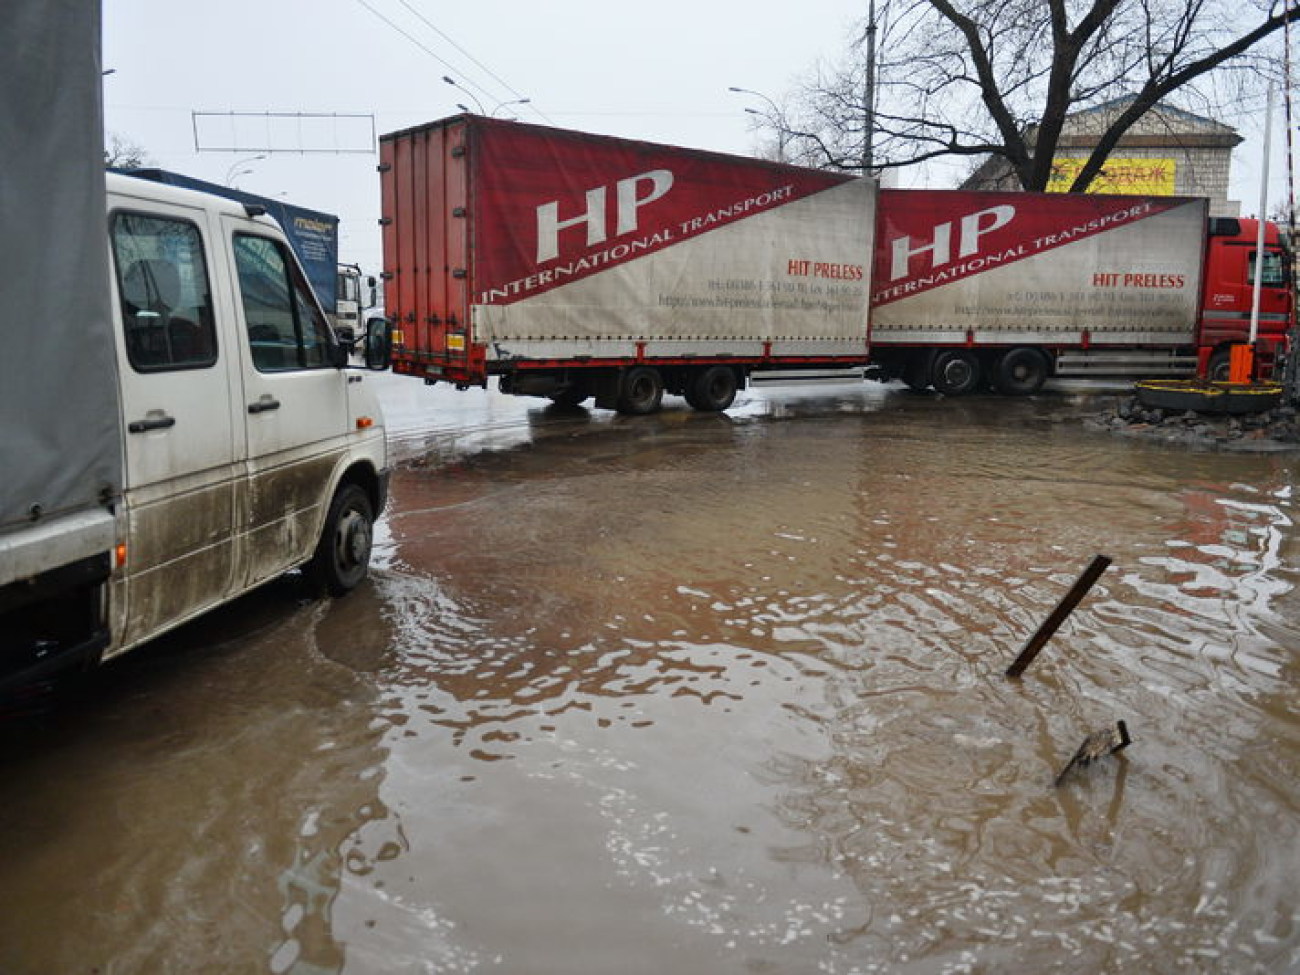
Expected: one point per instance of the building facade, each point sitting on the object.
(1168, 152)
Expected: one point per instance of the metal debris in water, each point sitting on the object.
(1097, 745)
(1058, 616)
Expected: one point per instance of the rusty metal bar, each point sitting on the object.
(1059, 615)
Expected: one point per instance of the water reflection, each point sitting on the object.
(709, 694)
(199, 804)
(760, 663)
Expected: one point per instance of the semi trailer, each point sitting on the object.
(572, 265)
(1006, 289)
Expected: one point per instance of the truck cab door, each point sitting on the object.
(294, 400)
(182, 455)
(1230, 289)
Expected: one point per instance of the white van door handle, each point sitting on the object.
(152, 423)
(263, 405)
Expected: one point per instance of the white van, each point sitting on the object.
(247, 445)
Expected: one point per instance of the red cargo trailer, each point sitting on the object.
(573, 265)
(971, 288)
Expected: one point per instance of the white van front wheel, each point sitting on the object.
(343, 553)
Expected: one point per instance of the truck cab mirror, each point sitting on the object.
(379, 344)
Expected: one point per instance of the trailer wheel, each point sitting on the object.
(713, 389)
(640, 391)
(956, 372)
(1020, 372)
(343, 553)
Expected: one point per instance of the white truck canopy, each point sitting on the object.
(60, 446)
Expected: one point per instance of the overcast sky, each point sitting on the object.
(658, 71)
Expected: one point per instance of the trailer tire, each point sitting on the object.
(712, 390)
(342, 555)
(1020, 372)
(956, 372)
(640, 391)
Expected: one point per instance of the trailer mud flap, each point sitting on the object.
(54, 622)
(605, 385)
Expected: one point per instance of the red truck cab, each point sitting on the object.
(1228, 294)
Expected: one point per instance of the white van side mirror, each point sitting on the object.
(379, 344)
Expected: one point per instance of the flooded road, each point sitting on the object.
(694, 693)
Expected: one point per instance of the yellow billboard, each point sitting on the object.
(1142, 177)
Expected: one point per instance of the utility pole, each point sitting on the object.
(1290, 375)
(869, 96)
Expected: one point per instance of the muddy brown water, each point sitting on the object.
(706, 694)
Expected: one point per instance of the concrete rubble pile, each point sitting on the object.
(1278, 428)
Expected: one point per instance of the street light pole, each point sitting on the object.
(777, 115)
(517, 101)
(869, 96)
(231, 173)
(452, 81)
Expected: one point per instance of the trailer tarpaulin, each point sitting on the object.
(998, 267)
(60, 449)
(589, 238)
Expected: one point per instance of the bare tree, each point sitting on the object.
(1000, 77)
(122, 153)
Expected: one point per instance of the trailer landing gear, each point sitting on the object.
(574, 395)
(916, 371)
